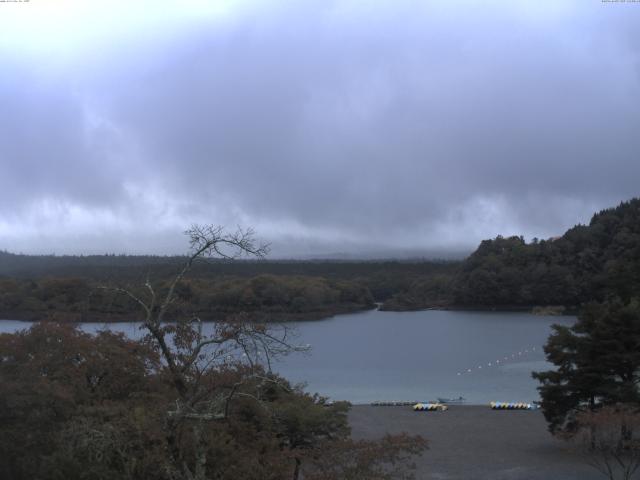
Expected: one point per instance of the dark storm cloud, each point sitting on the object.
(342, 126)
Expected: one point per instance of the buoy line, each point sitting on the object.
(498, 362)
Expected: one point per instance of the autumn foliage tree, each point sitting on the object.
(187, 402)
(58, 386)
(609, 440)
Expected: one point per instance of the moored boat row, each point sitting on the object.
(430, 407)
(511, 406)
(442, 404)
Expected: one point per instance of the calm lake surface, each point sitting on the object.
(410, 356)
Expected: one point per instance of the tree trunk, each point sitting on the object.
(201, 453)
(296, 471)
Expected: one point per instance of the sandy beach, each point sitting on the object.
(475, 442)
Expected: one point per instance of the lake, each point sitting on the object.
(411, 356)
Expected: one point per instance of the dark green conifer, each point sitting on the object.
(597, 363)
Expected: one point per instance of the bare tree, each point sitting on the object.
(191, 351)
(609, 440)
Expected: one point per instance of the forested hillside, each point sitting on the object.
(589, 262)
(264, 297)
(69, 287)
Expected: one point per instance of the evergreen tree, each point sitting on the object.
(597, 363)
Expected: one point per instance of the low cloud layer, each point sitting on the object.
(331, 127)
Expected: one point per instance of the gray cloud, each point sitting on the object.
(331, 127)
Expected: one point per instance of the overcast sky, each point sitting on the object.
(360, 127)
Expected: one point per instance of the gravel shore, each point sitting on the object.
(475, 442)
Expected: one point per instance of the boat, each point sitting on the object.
(430, 407)
(452, 400)
(511, 406)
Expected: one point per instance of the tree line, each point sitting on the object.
(589, 262)
(66, 288)
(264, 298)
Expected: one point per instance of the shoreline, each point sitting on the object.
(257, 317)
(567, 310)
(476, 442)
(283, 317)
